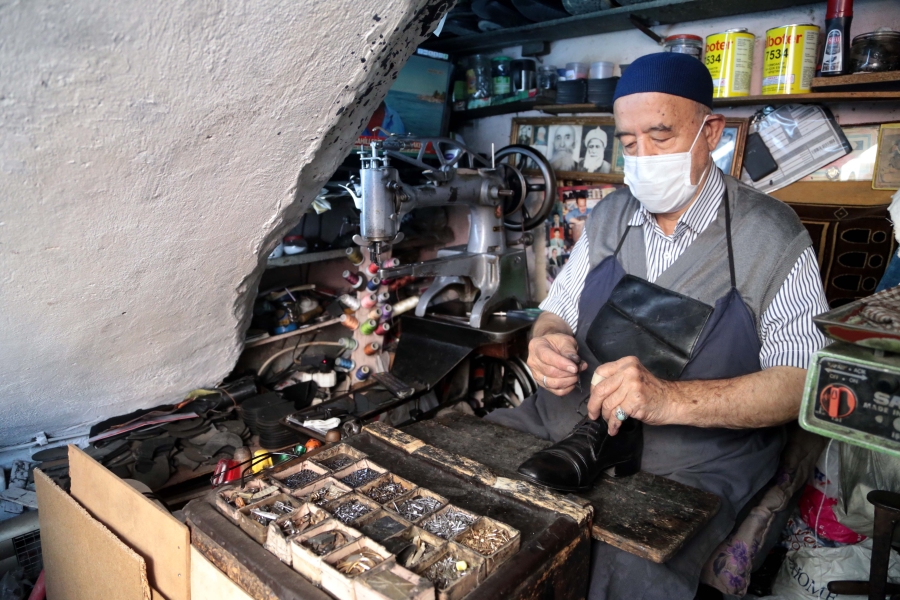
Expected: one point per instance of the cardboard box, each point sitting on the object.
(339, 584)
(304, 518)
(308, 563)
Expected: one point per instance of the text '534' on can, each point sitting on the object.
(790, 59)
(729, 58)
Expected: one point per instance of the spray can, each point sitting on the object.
(729, 58)
(836, 50)
(790, 59)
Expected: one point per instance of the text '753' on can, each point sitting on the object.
(729, 58)
(790, 59)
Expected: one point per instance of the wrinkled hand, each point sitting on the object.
(628, 385)
(555, 356)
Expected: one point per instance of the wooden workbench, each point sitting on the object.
(646, 515)
(553, 556)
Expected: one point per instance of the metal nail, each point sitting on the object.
(484, 540)
(358, 562)
(300, 478)
(416, 508)
(350, 511)
(337, 462)
(385, 492)
(360, 477)
(448, 524)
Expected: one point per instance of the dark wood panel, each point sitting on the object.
(646, 515)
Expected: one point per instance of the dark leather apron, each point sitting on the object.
(727, 346)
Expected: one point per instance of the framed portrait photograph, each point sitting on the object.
(728, 155)
(887, 163)
(578, 148)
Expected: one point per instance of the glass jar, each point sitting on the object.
(478, 76)
(501, 74)
(685, 43)
(875, 52)
(547, 77)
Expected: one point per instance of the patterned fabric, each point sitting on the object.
(787, 334)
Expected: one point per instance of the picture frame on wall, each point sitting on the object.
(859, 164)
(887, 163)
(578, 148)
(728, 155)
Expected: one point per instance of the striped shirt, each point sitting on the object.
(786, 332)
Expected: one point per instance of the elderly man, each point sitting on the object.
(563, 158)
(594, 161)
(689, 301)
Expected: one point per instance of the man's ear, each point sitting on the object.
(715, 125)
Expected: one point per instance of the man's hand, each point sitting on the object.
(628, 385)
(554, 363)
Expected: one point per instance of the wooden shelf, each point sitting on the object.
(565, 109)
(290, 334)
(305, 258)
(857, 79)
(458, 117)
(657, 12)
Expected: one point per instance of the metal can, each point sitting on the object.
(790, 59)
(729, 58)
(684, 43)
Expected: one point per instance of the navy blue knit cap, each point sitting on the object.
(668, 73)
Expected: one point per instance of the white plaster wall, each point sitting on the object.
(150, 156)
(625, 46)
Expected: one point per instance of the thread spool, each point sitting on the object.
(373, 284)
(350, 322)
(391, 262)
(368, 328)
(349, 301)
(354, 279)
(382, 329)
(348, 343)
(363, 373)
(372, 348)
(405, 305)
(375, 313)
(386, 312)
(373, 268)
(383, 297)
(368, 301)
(344, 363)
(355, 255)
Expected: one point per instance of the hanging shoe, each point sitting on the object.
(574, 463)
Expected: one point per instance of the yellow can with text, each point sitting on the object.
(789, 63)
(729, 58)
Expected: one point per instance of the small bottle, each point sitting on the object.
(836, 50)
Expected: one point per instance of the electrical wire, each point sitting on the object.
(824, 495)
(271, 359)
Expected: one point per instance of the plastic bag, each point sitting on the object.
(805, 574)
(861, 472)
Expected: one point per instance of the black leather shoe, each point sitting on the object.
(573, 464)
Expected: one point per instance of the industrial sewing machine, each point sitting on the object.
(514, 191)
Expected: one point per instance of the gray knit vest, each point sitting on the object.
(767, 240)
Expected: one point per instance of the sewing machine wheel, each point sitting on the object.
(530, 176)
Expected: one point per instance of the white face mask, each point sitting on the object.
(662, 183)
